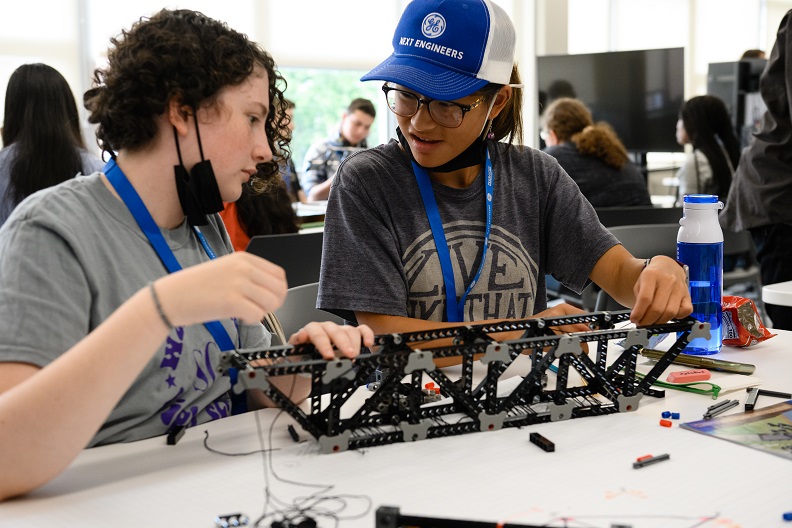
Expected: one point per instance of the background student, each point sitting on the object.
(592, 155)
(268, 212)
(753, 54)
(705, 124)
(42, 142)
(99, 343)
(324, 157)
(761, 192)
(287, 170)
(451, 224)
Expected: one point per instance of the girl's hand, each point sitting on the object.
(661, 293)
(564, 309)
(239, 285)
(347, 339)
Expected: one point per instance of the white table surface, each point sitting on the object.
(310, 208)
(489, 476)
(779, 294)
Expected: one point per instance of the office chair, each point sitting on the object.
(646, 241)
(612, 217)
(300, 254)
(299, 309)
(642, 241)
(636, 215)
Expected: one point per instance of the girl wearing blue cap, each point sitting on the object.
(450, 224)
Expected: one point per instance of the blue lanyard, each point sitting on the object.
(455, 309)
(132, 200)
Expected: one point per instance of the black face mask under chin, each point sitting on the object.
(199, 194)
(475, 154)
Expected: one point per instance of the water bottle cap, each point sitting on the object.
(700, 198)
(701, 201)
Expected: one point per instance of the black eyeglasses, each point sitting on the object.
(445, 113)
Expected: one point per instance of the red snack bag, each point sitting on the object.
(742, 326)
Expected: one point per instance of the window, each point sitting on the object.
(321, 97)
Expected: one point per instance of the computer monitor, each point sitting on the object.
(639, 93)
(737, 84)
(300, 254)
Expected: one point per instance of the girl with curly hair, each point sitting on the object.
(120, 290)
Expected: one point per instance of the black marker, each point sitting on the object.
(542, 442)
(750, 400)
(175, 434)
(774, 394)
(659, 458)
(293, 433)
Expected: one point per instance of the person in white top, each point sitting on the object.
(705, 124)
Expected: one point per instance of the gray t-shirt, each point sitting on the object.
(70, 255)
(379, 255)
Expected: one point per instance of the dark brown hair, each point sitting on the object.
(364, 105)
(266, 213)
(509, 123)
(41, 120)
(709, 128)
(179, 54)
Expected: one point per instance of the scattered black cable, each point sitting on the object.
(309, 505)
(316, 504)
(300, 506)
(218, 452)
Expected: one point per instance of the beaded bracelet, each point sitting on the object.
(159, 306)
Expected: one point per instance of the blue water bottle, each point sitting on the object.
(700, 246)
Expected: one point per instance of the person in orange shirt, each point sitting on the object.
(265, 211)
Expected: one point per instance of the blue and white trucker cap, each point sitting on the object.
(448, 49)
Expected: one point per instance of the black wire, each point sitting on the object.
(300, 506)
(316, 504)
(218, 452)
(310, 504)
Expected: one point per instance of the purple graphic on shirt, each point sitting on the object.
(173, 350)
(202, 379)
(181, 409)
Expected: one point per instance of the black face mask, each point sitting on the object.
(475, 154)
(199, 194)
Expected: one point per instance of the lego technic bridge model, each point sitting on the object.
(399, 408)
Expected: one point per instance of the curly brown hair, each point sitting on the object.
(186, 55)
(571, 120)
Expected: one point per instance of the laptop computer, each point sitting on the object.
(300, 254)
